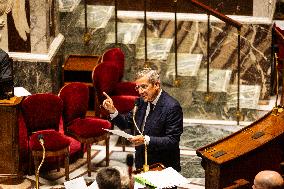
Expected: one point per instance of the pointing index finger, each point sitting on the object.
(106, 95)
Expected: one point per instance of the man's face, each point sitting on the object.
(148, 91)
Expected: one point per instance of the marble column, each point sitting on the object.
(264, 8)
(43, 19)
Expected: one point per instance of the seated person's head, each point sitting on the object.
(124, 178)
(108, 178)
(268, 180)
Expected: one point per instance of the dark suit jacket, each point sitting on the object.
(164, 127)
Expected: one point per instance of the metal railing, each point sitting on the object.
(209, 11)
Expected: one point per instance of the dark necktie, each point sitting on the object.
(152, 106)
(149, 114)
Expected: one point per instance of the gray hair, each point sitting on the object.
(152, 75)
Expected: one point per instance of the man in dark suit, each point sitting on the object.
(159, 119)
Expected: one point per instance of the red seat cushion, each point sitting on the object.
(127, 105)
(53, 140)
(89, 127)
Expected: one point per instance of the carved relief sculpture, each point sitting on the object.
(18, 13)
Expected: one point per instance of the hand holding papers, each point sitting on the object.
(120, 133)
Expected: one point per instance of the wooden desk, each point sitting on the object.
(243, 154)
(9, 139)
(78, 68)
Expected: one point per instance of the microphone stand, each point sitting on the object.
(41, 141)
(145, 166)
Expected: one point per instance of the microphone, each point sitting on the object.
(129, 163)
(41, 141)
(136, 104)
(40, 138)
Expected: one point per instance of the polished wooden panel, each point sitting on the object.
(78, 68)
(9, 137)
(243, 154)
(81, 62)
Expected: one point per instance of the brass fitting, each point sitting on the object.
(208, 98)
(177, 82)
(87, 38)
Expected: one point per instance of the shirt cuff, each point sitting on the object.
(147, 139)
(112, 116)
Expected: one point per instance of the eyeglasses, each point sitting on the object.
(143, 87)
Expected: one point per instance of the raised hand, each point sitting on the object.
(108, 104)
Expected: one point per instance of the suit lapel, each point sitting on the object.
(157, 113)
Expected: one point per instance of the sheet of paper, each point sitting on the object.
(120, 133)
(138, 185)
(21, 91)
(94, 185)
(165, 178)
(76, 183)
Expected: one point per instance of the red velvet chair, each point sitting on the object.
(107, 77)
(87, 130)
(115, 55)
(42, 113)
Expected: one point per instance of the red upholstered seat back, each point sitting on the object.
(280, 43)
(41, 112)
(124, 103)
(105, 78)
(126, 88)
(115, 56)
(75, 98)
